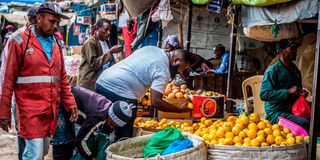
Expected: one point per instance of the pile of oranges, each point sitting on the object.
(238, 131)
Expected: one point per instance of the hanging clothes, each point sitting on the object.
(129, 36)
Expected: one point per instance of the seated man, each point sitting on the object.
(95, 111)
(221, 54)
(281, 86)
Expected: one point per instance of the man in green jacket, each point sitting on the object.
(95, 54)
(282, 85)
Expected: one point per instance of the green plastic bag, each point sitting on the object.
(97, 144)
(201, 2)
(259, 2)
(160, 141)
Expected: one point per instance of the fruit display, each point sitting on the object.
(244, 130)
(173, 91)
(146, 99)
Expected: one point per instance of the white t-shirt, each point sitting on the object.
(104, 46)
(146, 68)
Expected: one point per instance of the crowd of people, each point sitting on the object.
(34, 81)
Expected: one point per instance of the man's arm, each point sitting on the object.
(223, 68)
(65, 93)
(158, 102)
(8, 83)
(267, 92)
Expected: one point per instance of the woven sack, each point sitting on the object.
(291, 152)
(132, 149)
(136, 7)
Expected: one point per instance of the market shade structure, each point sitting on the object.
(23, 1)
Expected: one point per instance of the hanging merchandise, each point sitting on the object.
(109, 11)
(259, 2)
(270, 33)
(201, 2)
(137, 7)
(281, 13)
(161, 141)
(80, 20)
(215, 6)
(76, 29)
(82, 38)
(163, 13)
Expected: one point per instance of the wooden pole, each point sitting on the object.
(233, 44)
(314, 122)
(180, 33)
(189, 25)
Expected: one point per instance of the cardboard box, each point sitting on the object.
(145, 111)
(209, 107)
(173, 115)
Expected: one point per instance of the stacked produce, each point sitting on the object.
(239, 131)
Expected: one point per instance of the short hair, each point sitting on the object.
(101, 21)
(220, 46)
(284, 43)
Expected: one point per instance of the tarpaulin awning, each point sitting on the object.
(24, 1)
(20, 18)
(282, 13)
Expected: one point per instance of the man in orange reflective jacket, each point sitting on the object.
(35, 73)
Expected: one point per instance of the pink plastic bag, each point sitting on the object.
(295, 129)
(301, 108)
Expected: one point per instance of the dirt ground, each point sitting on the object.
(9, 146)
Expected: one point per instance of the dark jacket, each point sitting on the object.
(93, 113)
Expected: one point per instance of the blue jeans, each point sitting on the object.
(36, 148)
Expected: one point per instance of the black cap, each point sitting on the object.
(52, 8)
(32, 13)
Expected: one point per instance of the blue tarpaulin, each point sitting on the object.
(23, 1)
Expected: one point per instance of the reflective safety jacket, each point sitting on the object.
(38, 86)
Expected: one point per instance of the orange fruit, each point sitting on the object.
(220, 133)
(254, 117)
(290, 141)
(268, 131)
(244, 120)
(261, 138)
(262, 125)
(205, 136)
(203, 119)
(238, 144)
(236, 130)
(222, 141)
(289, 135)
(255, 143)
(229, 141)
(207, 122)
(190, 105)
(299, 139)
(214, 142)
(276, 133)
(252, 133)
(243, 134)
(237, 139)
(278, 140)
(232, 119)
(253, 126)
(276, 127)
(212, 136)
(247, 140)
(239, 125)
(286, 130)
(195, 126)
(229, 135)
(264, 144)
(246, 144)
(262, 133)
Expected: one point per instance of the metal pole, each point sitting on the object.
(189, 25)
(233, 44)
(314, 122)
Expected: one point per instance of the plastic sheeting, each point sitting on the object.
(281, 13)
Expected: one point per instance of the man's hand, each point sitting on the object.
(205, 68)
(74, 115)
(116, 49)
(294, 90)
(5, 125)
(185, 108)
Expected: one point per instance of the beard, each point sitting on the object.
(173, 71)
